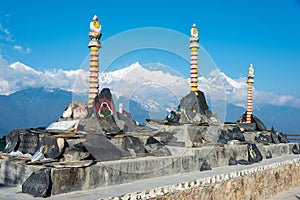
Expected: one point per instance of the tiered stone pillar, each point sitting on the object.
(250, 82)
(194, 46)
(94, 46)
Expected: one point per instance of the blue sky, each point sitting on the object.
(54, 34)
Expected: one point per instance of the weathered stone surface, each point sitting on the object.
(80, 112)
(13, 140)
(296, 149)
(211, 134)
(219, 156)
(268, 154)
(282, 138)
(29, 142)
(90, 124)
(102, 149)
(173, 117)
(231, 134)
(193, 104)
(129, 124)
(205, 166)
(103, 104)
(38, 183)
(157, 150)
(130, 144)
(75, 155)
(127, 170)
(254, 154)
(255, 183)
(259, 124)
(54, 147)
(184, 135)
(263, 138)
(109, 124)
(13, 174)
(250, 127)
(244, 162)
(274, 136)
(232, 161)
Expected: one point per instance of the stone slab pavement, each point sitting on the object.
(13, 193)
(291, 194)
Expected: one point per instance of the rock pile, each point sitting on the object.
(83, 136)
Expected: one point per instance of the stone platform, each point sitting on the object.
(109, 173)
(261, 180)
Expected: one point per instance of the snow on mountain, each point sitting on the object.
(154, 90)
(139, 83)
(19, 76)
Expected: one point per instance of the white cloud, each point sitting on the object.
(18, 47)
(276, 99)
(21, 49)
(138, 83)
(28, 50)
(18, 76)
(5, 34)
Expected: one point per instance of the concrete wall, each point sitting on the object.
(14, 174)
(254, 183)
(124, 171)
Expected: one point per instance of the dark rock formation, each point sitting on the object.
(102, 149)
(254, 154)
(268, 154)
(90, 124)
(248, 127)
(103, 104)
(53, 147)
(205, 166)
(282, 138)
(259, 124)
(129, 124)
(255, 125)
(296, 149)
(155, 148)
(244, 162)
(13, 140)
(193, 104)
(274, 136)
(109, 124)
(193, 109)
(38, 183)
(29, 142)
(263, 138)
(231, 134)
(232, 161)
(133, 145)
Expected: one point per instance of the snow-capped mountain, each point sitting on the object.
(145, 92)
(19, 76)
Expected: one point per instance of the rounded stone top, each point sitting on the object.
(95, 26)
(194, 31)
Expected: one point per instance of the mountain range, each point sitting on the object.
(144, 92)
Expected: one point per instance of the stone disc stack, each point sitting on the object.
(194, 46)
(250, 82)
(93, 79)
(94, 46)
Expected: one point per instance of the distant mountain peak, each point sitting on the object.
(20, 67)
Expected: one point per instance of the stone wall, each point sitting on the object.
(124, 171)
(13, 174)
(129, 170)
(253, 183)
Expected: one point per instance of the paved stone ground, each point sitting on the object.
(291, 194)
(13, 193)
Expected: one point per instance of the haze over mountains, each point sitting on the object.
(31, 98)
